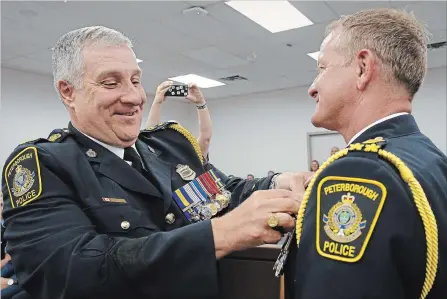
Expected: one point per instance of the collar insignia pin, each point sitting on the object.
(91, 153)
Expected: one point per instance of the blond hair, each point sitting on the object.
(397, 38)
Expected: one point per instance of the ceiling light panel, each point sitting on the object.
(201, 82)
(275, 16)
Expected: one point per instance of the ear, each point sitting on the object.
(66, 90)
(365, 66)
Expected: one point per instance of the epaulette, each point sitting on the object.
(180, 129)
(423, 207)
(33, 141)
(56, 135)
(160, 126)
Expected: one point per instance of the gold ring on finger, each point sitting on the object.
(273, 221)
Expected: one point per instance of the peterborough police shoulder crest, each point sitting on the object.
(347, 212)
(22, 177)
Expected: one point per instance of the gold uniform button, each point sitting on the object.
(125, 225)
(170, 218)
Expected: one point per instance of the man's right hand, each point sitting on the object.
(160, 92)
(246, 226)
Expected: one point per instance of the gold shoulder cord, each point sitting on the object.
(422, 204)
(190, 138)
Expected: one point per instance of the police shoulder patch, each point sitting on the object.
(23, 178)
(347, 212)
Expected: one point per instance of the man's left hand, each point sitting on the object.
(295, 182)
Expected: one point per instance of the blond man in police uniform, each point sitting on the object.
(373, 223)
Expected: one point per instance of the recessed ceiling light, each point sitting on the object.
(314, 55)
(139, 60)
(201, 82)
(275, 16)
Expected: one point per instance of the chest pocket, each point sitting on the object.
(121, 220)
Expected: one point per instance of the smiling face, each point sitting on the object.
(109, 105)
(334, 88)
(314, 166)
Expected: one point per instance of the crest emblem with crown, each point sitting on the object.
(23, 181)
(344, 221)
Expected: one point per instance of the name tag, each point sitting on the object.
(111, 199)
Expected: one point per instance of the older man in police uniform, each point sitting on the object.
(102, 210)
(373, 222)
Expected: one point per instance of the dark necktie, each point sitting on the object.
(131, 155)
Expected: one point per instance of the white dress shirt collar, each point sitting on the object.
(375, 123)
(114, 149)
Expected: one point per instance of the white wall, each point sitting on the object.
(252, 133)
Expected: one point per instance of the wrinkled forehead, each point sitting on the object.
(116, 58)
(103, 52)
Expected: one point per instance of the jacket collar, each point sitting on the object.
(113, 166)
(390, 128)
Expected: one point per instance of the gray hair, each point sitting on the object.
(67, 57)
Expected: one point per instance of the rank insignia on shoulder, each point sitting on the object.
(58, 135)
(371, 145)
(23, 179)
(54, 137)
(347, 212)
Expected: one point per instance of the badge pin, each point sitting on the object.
(91, 153)
(170, 218)
(186, 172)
